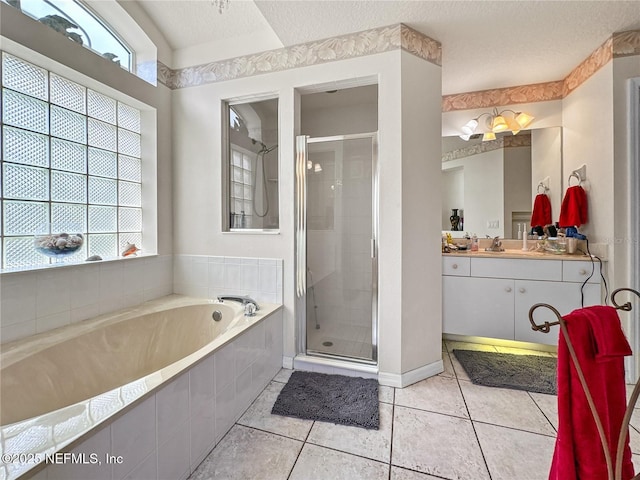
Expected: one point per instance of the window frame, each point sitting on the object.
(227, 106)
(85, 29)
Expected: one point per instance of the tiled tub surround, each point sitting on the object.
(40, 300)
(164, 424)
(209, 276)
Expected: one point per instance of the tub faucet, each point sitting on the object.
(250, 305)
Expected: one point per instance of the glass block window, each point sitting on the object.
(241, 177)
(71, 163)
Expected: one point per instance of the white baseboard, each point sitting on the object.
(410, 377)
(334, 366)
(287, 362)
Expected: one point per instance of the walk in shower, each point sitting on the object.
(336, 268)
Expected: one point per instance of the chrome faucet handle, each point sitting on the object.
(250, 309)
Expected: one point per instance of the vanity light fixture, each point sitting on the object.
(497, 122)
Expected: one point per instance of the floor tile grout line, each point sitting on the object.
(543, 413)
(393, 421)
(272, 433)
(432, 411)
(418, 471)
(484, 459)
(515, 429)
(333, 449)
(304, 442)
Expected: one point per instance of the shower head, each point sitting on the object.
(264, 150)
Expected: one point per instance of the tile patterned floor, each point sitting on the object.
(441, 428)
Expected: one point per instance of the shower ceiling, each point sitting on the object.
(486, 44)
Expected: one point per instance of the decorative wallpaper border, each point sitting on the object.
(507, 141)
(368, 42)
(622, 44)
(420, 45)
(538, 92)
(393, 37)
(626, 43)
(594, 62)
(163, 74)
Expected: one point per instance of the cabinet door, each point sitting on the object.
(565, 297)
(480, 307)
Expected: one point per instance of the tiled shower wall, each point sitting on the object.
(37, 301)
(207, 276)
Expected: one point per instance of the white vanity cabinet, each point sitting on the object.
(491, 297)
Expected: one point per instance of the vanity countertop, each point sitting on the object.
(513, 249)
(513, 253)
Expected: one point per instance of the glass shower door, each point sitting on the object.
(340, 247)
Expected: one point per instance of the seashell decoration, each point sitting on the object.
(57, 245)
(130, 249)
(93, 258)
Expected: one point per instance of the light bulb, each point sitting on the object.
(499, 124)
(470, 127)
(317, 167)
(513, 125)
(524, 119)
(488, 136)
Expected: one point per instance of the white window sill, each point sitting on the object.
(253, 231)
(35, 268)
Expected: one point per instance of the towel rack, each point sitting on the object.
(613, 474)
(544, 183)
(579, 173)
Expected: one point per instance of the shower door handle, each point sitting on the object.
(373, 248)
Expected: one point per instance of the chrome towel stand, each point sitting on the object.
(624, 428)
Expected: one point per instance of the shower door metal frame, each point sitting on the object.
(300, 215)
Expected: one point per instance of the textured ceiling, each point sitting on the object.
(486, 44)
(186, 23)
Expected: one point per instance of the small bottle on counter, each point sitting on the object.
(474, 243)
(519, 231)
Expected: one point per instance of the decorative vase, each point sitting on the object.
(455, 219)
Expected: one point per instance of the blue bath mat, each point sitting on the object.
(330, 398)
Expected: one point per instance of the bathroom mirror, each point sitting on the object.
(492, 184)
(251, 171)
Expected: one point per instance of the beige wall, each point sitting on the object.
(588, 139)
(405, 125)
(596, 133)
(420, 231)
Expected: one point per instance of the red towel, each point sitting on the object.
(600, 345)
(541, 211)
(574, 211)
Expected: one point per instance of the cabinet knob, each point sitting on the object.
(582, 271)
(508, 289)
(521, 290)
(454, 266)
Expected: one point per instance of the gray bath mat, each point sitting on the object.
(520, 372)
(330, 398)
